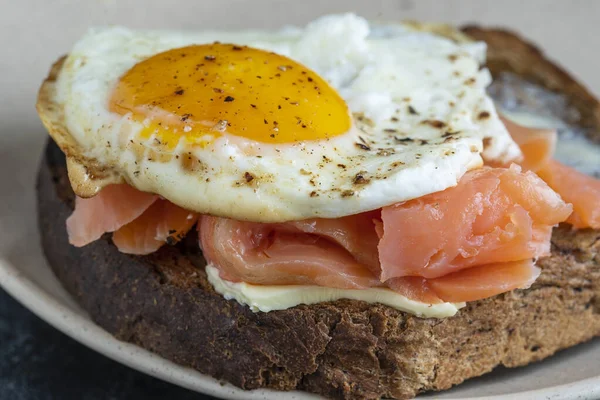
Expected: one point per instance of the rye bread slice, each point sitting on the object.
(343, 349)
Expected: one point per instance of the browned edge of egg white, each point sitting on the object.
(87, 176)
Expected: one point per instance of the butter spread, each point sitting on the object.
(267, 298)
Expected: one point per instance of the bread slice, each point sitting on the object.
(343, 349)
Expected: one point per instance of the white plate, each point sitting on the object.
(40, 31)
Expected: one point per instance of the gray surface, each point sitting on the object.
(39, 362)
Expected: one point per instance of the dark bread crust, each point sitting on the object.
(342, 349)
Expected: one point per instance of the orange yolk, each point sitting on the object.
(200, 92)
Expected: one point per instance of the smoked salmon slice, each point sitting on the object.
(354, 233)
(414, 288)
(303, 253)
(581, 190)
(112, 208)
(469, 284)
(469, 242)
(484, 281)
(493, 215)
(163, 222)
(537, 145)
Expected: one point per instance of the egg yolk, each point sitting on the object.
(202, 91)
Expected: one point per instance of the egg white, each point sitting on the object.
(399, 85)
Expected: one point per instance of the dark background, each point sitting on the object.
(39, 362)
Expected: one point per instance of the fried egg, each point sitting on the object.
(332, 119)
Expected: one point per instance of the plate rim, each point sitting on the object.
(70, 322)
